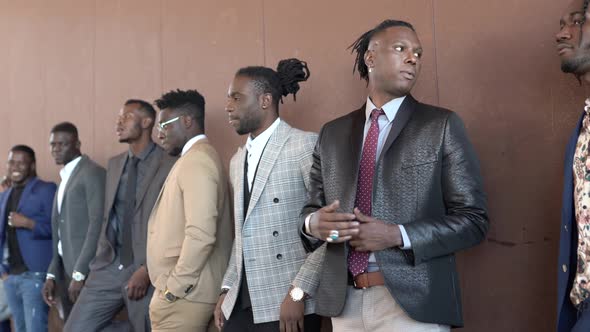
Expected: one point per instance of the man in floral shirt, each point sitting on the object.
(573, 291)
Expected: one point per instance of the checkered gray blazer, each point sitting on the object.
(268, 240)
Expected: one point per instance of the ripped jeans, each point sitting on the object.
(23, 294)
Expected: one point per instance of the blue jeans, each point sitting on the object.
(23, 293)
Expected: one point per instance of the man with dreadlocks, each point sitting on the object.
(395, 192)
(270, 278)
(573, 279)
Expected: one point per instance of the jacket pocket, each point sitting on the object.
(172, 251)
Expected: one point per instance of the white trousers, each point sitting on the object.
(374, 310)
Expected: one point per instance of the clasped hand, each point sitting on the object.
(364, 233)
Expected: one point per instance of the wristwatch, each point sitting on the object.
(170, 297)
(77, 276)
(296, 294)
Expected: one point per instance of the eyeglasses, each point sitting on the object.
(162, 125)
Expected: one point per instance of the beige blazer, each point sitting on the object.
(190, 229)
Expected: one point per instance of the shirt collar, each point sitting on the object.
(69, 167)
(191, 142)
(145, 153)
(260, 141)
(390, 108)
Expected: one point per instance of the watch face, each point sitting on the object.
(297, 294)
(170, 297)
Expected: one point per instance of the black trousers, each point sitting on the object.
(242, 320)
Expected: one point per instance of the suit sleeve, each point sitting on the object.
(42, 228)
(199, 186)
(316, 199)
(55, 260)
(309, 273)
(94, 189)
(466, 221)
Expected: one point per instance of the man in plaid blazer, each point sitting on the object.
(270, 279)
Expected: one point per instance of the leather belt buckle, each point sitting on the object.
(368, 279)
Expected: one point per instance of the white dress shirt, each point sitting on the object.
(64, 174)
(255, 148)
(191, 142)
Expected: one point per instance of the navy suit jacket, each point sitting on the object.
(35, 203)
(568, 242)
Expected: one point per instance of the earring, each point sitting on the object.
(370, 70)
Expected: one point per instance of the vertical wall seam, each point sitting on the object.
(161, 46)
(263, 35)
(435, 43)
(93, 80)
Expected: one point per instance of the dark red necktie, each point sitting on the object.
(358, 261)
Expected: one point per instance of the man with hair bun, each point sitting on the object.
(270, 281)
(395, 193)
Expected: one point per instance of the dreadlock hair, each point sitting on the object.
(280, 83)
(144, 107)
(189, 102)
(361, 45)
(25, 149)
(66, 127)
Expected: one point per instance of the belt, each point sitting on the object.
(368, 279)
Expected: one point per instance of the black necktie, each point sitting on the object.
(127, 245)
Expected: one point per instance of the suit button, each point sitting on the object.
(564, 267)
(565, 227)
(279, 256)
(275, 233)
(276, 200)
(120, 266)
(61, 220)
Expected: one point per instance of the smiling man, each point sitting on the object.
(396, 202)
(573, 287)
(26, 232)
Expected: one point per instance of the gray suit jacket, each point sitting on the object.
(426, 178)
(146, 195)
(268, 238)
(80, 219)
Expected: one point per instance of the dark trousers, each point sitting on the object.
(242, 320)
(103, 296)
(583, 321)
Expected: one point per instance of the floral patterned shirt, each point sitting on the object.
(581, 286)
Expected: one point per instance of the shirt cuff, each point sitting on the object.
(50, 276)
(405, 238)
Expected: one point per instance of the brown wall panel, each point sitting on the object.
(492, 62)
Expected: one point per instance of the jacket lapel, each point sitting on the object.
(399, 122)
(354, 159)
(26, 192)
(75, 172)
(152, 169)
(113, 182)
(238, 172)
(267, 161)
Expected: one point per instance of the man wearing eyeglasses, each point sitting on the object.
(118, 275)
(190, 229)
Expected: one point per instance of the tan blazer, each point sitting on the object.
(190, 229)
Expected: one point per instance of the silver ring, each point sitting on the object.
(9, 223)
(334, 235)
(329, 239)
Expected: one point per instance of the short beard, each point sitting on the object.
(175, 151)
(578, 65)
(248, 125)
